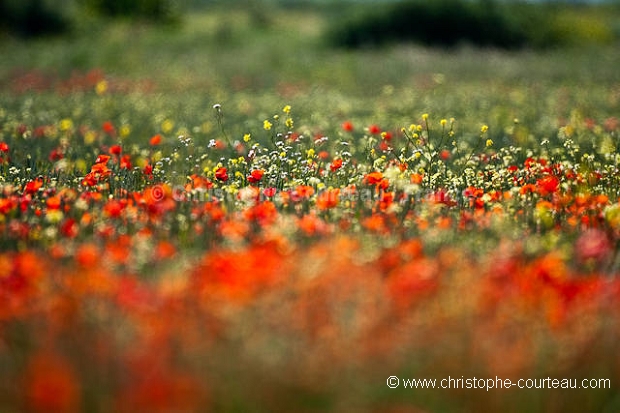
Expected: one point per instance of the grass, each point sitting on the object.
(213, 56)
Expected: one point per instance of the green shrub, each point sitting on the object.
(479, 22)
(156, 10)
(29, 18)
(440, 22)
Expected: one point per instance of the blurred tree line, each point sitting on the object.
(502, 24)
(505, 24)
(28, 18)
(31, 18)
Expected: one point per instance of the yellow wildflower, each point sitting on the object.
(124, 131)
(167, 126)
(66, 125)
(101, 87)
(90, 137)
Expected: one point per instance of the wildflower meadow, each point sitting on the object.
(223, 217)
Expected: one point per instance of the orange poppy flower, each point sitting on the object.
(375, 223)
(263, 213)
(328, 199)
(386, 200)
(416, 178)
(373, 178)
(87, 255)
(155, 140)
(53, 202)
(412, 281)
(164, 250)
(51, 385)
(200, 182)
(302, 192)
(311, 225)
(6, 205)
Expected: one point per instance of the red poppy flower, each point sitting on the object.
(270, 192)
(548, 184)
(4, 147)
(56, 155)
(102, 159)
(125, 162)
(89, 180)
(108, 127)
(33, 186)
(70, 228)
(347, 126)
(441, 197)
(256, 176)
(374, 129)
(221, 174)
(335, 165)
(115, 149)
(113, 208)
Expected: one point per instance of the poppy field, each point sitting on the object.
(200, 244)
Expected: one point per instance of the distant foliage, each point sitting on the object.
(487, 23)
(30, 18)
(156, 10)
